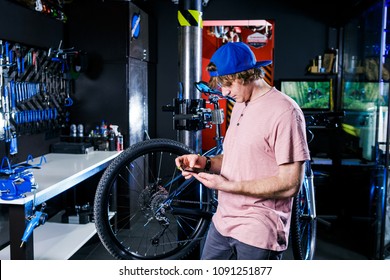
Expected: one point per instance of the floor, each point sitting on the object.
(327, 249)
(94, 250)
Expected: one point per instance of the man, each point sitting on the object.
(262, 166)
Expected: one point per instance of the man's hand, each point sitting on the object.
(190, 162)
(214, 181)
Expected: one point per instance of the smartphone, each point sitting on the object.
(193, 169)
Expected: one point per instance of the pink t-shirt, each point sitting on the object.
(263, 134)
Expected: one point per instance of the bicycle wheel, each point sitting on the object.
(304, 220)
(145, 209)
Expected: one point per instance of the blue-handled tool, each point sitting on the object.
(37, 219)
(7, 60)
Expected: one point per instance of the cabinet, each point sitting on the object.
(116, 86)
(364, 98)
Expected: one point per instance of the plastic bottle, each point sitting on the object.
(336, 61)
(73, 130)
(103, 129)
(354, 62)
(319, 63)
(119, 142)
(80, 130)
(111, 141)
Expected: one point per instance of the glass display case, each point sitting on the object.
(364, 99)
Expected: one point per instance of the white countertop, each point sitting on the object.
(344, 162)
(63, 171)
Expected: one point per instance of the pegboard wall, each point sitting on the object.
(36, 86)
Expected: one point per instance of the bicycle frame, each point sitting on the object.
(309, 184)
(216, 117)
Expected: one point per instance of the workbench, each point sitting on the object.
(58, 174)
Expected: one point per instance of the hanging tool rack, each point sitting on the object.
(36, 87)
(50, 8)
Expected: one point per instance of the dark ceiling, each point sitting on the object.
(333, 12)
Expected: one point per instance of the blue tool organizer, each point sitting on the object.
(35, 89)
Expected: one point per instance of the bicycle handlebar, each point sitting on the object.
(206, 89)
(192, 114)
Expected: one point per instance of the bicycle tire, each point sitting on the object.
(304, 220)
(135, 216)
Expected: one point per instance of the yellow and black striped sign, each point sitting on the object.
(190, 18)
(229, 109)
(269, 74)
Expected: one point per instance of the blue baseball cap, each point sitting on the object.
(235, 57)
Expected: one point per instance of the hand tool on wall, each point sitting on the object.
(38, 6)
(5, 105)
(7, 61)
(1, 63)
(18, 55)
(9, 133)
(1, 90)
(36, 87)
(8, 100)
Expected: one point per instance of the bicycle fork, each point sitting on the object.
(309, 185)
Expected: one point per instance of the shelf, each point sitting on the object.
(57, 241)
(344, 162)
(321, 73)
